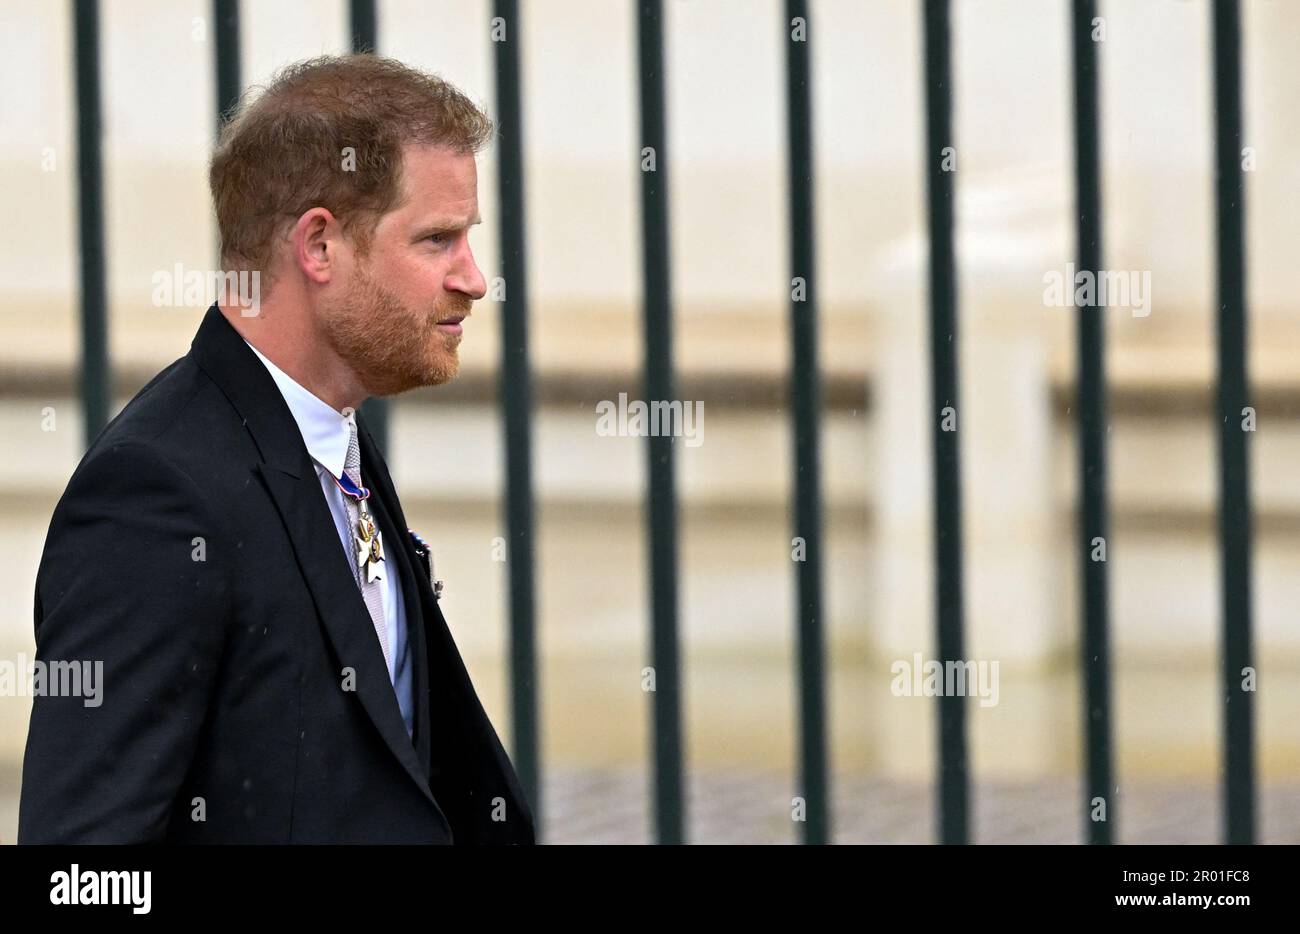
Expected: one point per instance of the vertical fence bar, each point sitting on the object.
(225, 28)
(939, 155)
(95, 387)
(1233, 397)
(805, 406)
(1091, 361)
(516, 402)
(661, 503)
(363, 25)
(363, 28)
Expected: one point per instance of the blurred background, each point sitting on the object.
(725, 115)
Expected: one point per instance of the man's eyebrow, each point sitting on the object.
(449, 223)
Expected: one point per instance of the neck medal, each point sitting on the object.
(365, 537)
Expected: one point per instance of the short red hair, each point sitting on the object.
(329, 132)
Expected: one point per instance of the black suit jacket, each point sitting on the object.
(194, 555)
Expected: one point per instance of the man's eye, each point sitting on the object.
(436, 238)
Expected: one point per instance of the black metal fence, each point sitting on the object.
(516, 398)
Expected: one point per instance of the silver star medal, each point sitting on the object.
(370, 553)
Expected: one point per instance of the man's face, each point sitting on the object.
(395, 315)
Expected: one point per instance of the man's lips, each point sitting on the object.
(451, 325)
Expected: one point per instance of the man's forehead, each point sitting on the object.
(438, 166)
(440, 185)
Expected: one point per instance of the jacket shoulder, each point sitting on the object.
(180, 415)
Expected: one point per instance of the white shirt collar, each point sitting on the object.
(325, 430)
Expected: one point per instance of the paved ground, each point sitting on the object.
(614, 806)
(752, 807)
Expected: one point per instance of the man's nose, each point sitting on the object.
(466, 277)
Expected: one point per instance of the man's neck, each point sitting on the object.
(321, 373)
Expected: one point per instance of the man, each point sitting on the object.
(276, 667)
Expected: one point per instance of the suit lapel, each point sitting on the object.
(397, 557)
(290, 478)
(341, 608)
(467, 758)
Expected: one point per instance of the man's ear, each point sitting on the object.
(314, 241)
